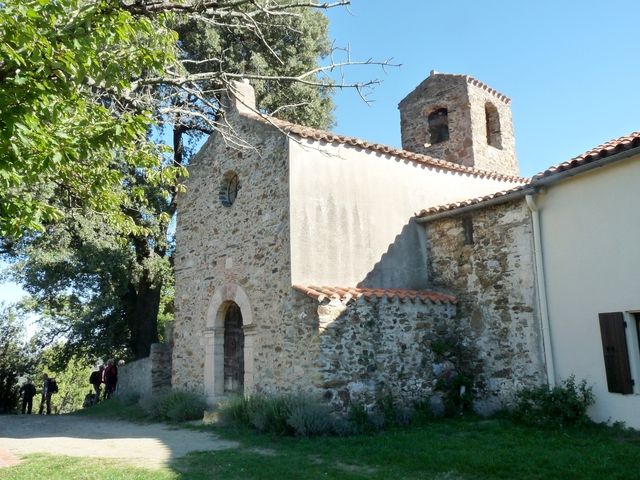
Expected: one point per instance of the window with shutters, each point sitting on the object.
(620, 335)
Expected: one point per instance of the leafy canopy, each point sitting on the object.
(66, 70)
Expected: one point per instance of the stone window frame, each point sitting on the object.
(229, 188)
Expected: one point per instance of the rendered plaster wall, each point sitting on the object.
(372, 349)
(239, 253)
(467, 143)
(494, 281)
(590, 229)
(351, 211)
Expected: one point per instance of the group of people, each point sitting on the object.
(104, 375)
(28, 391)
(107, 376)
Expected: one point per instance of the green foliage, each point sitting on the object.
(102, 274)
(174, 405)
(72, 377)
(456, 380)
(561, 406)
(282, 415)
(67, 68)
(17, 358)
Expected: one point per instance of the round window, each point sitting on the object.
(229, 188)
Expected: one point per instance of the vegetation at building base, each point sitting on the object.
(562, 406)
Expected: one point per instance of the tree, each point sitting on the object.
(66, 70)
(80, 82)
(103, 287)
(17, 358)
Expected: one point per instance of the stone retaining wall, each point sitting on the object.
(147, 375)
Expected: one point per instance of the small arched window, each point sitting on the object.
(494, 136)
(438, 125)
(229, 188)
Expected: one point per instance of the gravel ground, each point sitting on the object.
(148, 445)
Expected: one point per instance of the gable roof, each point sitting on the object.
(329, 137)
(604, 153)
(346, 294)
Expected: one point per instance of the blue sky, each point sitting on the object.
(569, 66)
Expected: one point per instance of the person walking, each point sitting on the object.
(95, 379)
(110, 379)
(49, 387)
(28, 391)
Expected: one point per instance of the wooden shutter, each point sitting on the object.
(616, 356)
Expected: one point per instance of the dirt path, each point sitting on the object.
(150, 446)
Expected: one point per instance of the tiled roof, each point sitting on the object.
(479, 84)
(472, 201)
(329, 137)
(607, 149)
(349, 293)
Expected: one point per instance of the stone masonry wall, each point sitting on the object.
(246, 246)
(467, 144)
(488, 157)
(493, 279)
(147, 375)
(371, 349)
(436, 92)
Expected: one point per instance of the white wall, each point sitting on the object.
(591, 243)
(348, 205)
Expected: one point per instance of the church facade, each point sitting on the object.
(303, 265)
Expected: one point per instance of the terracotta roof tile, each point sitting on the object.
(479, 84)
(607, 149)
(346, 294)
(329, 137)
(467, 203)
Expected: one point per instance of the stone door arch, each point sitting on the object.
(222, 307)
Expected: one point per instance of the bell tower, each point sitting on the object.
(461, 120)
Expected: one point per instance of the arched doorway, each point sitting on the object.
(233, 349)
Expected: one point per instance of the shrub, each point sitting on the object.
(310, 419)
(177, 406)
(279, 414)
(562, 406)
(129, 399)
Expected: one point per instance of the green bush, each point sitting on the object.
(298, 415)
(309, 418)
(562, 406)
(176, 406)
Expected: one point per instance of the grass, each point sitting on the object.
(460, 449)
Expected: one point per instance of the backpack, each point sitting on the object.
(53, 386)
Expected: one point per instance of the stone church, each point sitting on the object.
(319, 263)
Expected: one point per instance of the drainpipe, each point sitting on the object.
(542, 291)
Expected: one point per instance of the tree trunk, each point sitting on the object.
(143, 316)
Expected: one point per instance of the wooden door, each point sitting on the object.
(233, 350)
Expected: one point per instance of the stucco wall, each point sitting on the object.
(350, 212)
(590, 229)
(493, 279)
